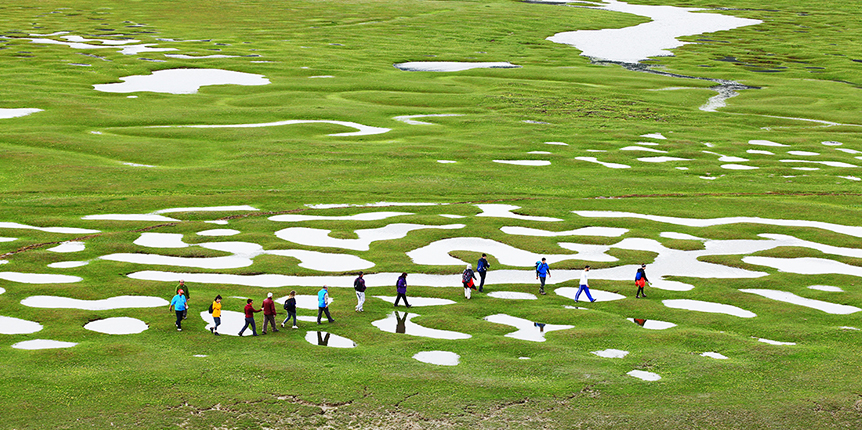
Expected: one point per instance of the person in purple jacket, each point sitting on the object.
(401, 289)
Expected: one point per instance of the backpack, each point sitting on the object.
(538, 263)
(465, 277)
(285, 304)
(211, 308)
(638, 276)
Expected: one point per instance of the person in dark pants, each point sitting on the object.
(542, 271)
(640, 281)
(183, 289)
(216, 307)
(401, 289)
(178, 304)
(482, 267)
(323, 302)
(249, 317)
(268, 313)
(290, 307)
(467, 279)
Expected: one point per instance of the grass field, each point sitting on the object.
(90, 152)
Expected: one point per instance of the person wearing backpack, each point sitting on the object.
(542, 271)
(482, 267)
(215, 310)
(467, 279)
(640, 281)
(359, 286)
(290, 307)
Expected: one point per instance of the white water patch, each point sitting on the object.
(831, 143)
(661, 159)
(766, 143)
(419, 301)
(827, 288)
(849, 151)
(199, 57)
(539, 153)
(320, 76)
(803, 153)
(231, 323)
(851, 178)
(217, 222)
(320, 237)
(710, 178)
(505, 211)
(370, 205)
(598, 295)
(584, 231)
(726, 158)
(303, 301)
(450, 66)
(17, 113)
(648, 143)
(440, 358)
(805, 265)
(608, 165)
(848, 328)
(759, 151)
(652, 324)
(236, 208)
(806, 169)
(230, 262)
(200, 355)
(738, 167)
(596, 150)
(783, 296)
(527, 330)
(641, 148)
(714, 355)
(42, 344)
(322, 338)
(129, 217)
(325, 262)
(775, 342)
(446, 161)
(512, 295)
(161, 240)
(117, 325)
(39, 278)
(364, 130)
(219, 232)
(68, 264)
(611, 353)
(10, 325)
(409, 119)
(524, 162)
(825, 163)
(654, 136)
(8, 239)
(61, 230)
(557, 143)
(452, 216)
(646, 376)
(709, 307)
(181, 81)
(679, 236)
(367, 216)
(68, 247)
(398, 322)
(438, 253)
(138, 165)
(119, 302)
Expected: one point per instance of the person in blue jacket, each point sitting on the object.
(542, 271)
(178, 304)
(323, 301)
(482, 267)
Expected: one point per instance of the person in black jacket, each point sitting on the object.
(640, 281)
(359, 286)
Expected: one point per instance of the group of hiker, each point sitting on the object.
(179, 303)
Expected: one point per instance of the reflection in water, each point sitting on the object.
(323, 338)
(652, 324)
(399, 322)
(527, 330)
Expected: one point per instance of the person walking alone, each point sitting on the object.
(542, 271)
(482, 267)
(268, 313)
(216, 307)
(178, 304)
(323, 302)
(467, 279)
(401, 290)
(249, 317)
(359, 286)
(585, 285)
(641, 281)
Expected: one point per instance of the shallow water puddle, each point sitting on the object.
(512, 295)
(399, 322)
(42, 344)
(738, 167)
(783, 296)
(439, 252)
(409, 119)
(803, 153)
(363, 130)
(320, 237)
(827, 288)
(419, 301)
(646, 376)
(654, 136)
(10, 325)
(322, 338)
(527, 330)
(641, 148)
(117, 325)
(38, 278)
(68, 264)
(679, 236)
(219, 232)
(608, 165)
(62, 230)
(17, 113)
(598, 295)
(611, 353)
(709, 307)
(119, 302)
(714, 355)
(68, 247)
(661, 159)
(652, 324)
(129, 217)
(766, 143)
(440, 358)
(450, 66)
(505, 211)
(806, 265)
(825, 163)
(161, 240)
(524, 162)
(232, 321)
(584, 231)
(181, 81)
(775, 342)
(367, 216)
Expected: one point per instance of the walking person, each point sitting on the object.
(268, 313)
(640, 281)
(467, 279)
(359, 286)
(401, 289)
(542, 271)
(249, 317)
(482, 267)
(216, 311)
(585, 285)
(323, 302)
(178, 304)
(290, 307)
(182, 288)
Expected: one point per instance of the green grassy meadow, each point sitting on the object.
(67, 162)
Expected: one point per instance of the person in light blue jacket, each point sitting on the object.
(323, 301)
(178, 304)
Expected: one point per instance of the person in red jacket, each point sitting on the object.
(249, 317)
(268, 313)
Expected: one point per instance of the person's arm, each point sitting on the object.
(548, 270)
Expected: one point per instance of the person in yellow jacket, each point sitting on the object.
(216, 311)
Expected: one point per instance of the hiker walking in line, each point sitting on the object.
(359, 286)
(182, 288)
(542, 271)
(268, 313)
(215, 310)
(323, 302)
(401, 289)
(467, 279)
(178, 304)
(290, 307)
(249, 317)
(585, 285)
(482, 267)
(641, 281)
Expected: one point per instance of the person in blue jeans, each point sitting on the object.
(482, 267)
(178, 304)
(290, 307)
(542, 271)
(585, 285)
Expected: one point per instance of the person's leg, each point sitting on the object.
(328, 317)
(217, 321)
(271, 319)
(179, 320)
(578, 294)
(362, 301)
(542, 285)
(398, 298)
(264, 325)
(289, 314)
(253, 327)
(244, 327)
(587, 290)
(482, 280)
(356, 308)
(319, 314)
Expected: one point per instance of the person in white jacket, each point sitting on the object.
(585, 285)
